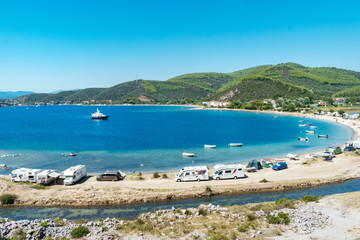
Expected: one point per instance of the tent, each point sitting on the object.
(255, 163)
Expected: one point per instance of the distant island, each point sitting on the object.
(286, 80)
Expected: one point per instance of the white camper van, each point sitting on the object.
(193, 174)
(74, 174)
(25, 175)
(229, 171)
(47, 176)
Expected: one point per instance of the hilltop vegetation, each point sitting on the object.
(259, 87)
(288, 80)
(351, 92)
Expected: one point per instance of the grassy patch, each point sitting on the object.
(263, 181)
(308, 198)
(37, 186)
(156, 175)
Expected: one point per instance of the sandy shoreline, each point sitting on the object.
(300, 174)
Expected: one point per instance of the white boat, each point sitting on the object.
(313, 127)
(98, 115)
(301, 139)
(307, 131)
(292, 156)
(302, 125)
(209, 146)
(323, 136)
(235, 144)
(185, 154)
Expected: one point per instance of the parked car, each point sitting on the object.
(279, 166)
(349, 148)
(336, 150)
(109, 176)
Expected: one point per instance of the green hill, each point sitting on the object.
(208, 81)
(258, 88)
(351, 92)
(316, 82)
(322, 81)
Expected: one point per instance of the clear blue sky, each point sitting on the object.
(50, 45)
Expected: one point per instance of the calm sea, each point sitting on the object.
(154, 136)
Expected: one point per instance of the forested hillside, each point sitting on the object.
(255, 83)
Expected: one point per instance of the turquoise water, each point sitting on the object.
(154, 136)
(131, 211)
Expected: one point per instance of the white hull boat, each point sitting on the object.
(185, 154)
(209, 146)
(235, 144)
(307, 131)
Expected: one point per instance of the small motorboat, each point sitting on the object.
(323, 136)
(308, 124)
(4, 166)
(235, 144)
(313, 127)
(301, 139)
(308, 131)
(209, 146)
(72, 154)
(302, 125)
(185, 154)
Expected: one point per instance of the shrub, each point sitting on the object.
(7, 199)
(257, 207)
(187, 212)
(164, 176)
(285, 203)
(202, 212)
(285, 219)
(156, 175)
(263, 181)
(139, 221)
(169, 196)
(44, 224)
(208, 191)
(79, 232)
(273, 220)
(251, 217)
(308, 198)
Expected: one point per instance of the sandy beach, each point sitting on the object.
(301, 173)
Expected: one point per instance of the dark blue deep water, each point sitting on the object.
(154, 136)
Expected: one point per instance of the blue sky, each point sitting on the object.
(52, 45)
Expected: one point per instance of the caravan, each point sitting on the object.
(25, 175)
(74, 174)
(193, 174)
(47, 176)
(229, 171)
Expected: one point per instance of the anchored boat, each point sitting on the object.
(99, 116)
(323, 136)
(209, 146)
(235, 144)
(185, 154)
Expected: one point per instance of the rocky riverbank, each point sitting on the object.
(282, 218)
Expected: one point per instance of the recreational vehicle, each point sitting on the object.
(228, 171)
(74, 174)
(47, 176)
(198, 173)
(25, 175)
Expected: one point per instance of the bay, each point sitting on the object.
(152, 136)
